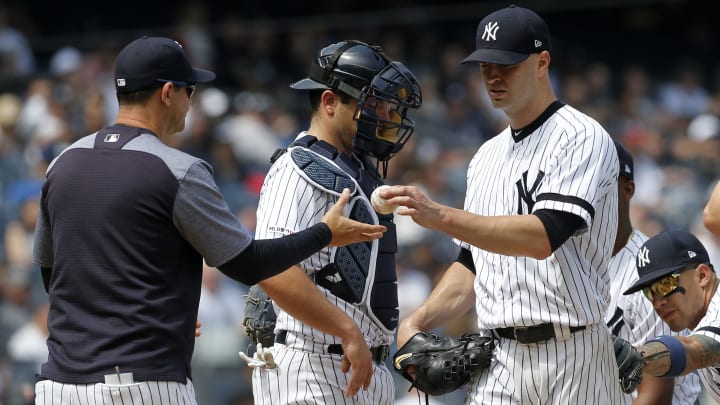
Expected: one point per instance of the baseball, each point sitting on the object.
(381, 206)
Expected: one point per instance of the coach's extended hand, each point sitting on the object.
(346, 231)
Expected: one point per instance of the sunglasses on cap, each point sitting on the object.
(666, 286)
(189, 87)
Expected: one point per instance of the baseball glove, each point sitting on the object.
(630, 364)
(259, 321)
(442, 364)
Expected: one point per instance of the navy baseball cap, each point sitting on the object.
(664, 254)
(147, 62)
(626, 161)
(508, 36)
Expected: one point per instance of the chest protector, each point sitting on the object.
(362, 274)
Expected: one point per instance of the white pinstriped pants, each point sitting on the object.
(579, 370)
(50, 392)
(316, 378)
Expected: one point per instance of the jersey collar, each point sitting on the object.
(522, 133)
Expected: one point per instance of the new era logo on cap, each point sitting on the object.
(626, 160)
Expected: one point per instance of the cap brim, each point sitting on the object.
(650, 278)
(308, 84)
(496, 56)
(202, 76)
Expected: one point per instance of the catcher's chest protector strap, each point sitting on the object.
(353, 276)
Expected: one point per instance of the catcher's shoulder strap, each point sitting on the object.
(361, 273)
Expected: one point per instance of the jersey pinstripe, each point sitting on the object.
(289, 203)
(710, 376)
(567, 162)
(633, 318)
(147, 392)
(312, 378)
(573, 371)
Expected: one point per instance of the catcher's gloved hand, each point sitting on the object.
(630, 364)
(443, 364)
(259, 321)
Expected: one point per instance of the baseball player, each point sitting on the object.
(359, 100)
(124, 224)
(675, 274)
(631, 317)
(536, 234)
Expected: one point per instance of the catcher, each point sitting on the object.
(438, 365)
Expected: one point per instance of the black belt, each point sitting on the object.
(532, 334)
(379, 353)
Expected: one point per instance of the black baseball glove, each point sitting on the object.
(442, 364)
(259, 321)
(630, 364)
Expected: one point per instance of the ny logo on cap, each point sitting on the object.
(490, 31)
(642, 257)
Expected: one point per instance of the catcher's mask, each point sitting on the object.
(384, 90)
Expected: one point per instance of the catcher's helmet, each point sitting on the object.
(365, 73)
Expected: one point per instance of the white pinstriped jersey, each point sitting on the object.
(306, 373)
(710, 376)
(633, 318)
(290, 203)
(563, 161)
(568, 164)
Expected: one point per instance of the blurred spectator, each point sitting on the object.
(24, 198)
(15, 304)
(218, 372)
(600, 103)
(27, 351)
(699, 147)
(684, 96)
(252, 139)
(193, 33)
(413, 287)
(12, 163)
(16, 56)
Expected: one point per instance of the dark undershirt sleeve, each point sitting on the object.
(267, 257)
(465, 258)
(559, 225)
(46, 273)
